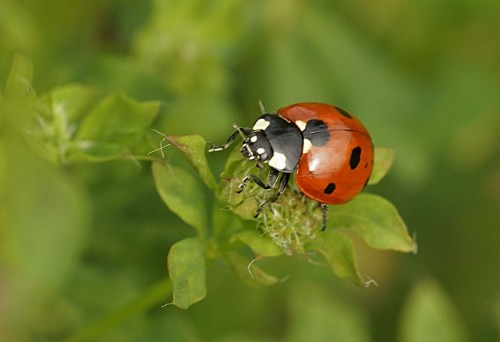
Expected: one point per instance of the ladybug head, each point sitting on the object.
(256, 147)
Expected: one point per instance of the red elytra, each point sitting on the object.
(338, 170)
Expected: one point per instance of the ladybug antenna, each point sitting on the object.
(262, 109)
(161, 144)
(240, 130)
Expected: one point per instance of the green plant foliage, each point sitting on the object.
(260, 245)
(186, 267)
(193, 147)
(249, 272)
(69, 127)
(117, 119)
(182, 193)
(291, 225)
(376, 220)
(383, 159)
(338, 251)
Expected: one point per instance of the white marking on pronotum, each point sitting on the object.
(261, 125)
(301, 125)
(278, 161)
(253, 139)
(306, 146)
(260, 150)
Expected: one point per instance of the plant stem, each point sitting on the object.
(153, 296)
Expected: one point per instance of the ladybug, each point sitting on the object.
(328, 149)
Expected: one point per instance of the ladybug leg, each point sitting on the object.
(285, 177)
(324, 207)
(271, 180)
(243, 131)
(229, 141)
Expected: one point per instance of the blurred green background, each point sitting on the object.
(82, 244)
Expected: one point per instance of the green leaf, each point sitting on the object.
(429, 316)
(58, 114)
(186, 267)
(113, 129)
(243, 204)
(91, 152)
(225, 223)
(118, 119)
(234, 162)
(193, 147)
(250, 273)
(338, 251)
(260, 244)
(376, 220)
(182, 193)
(67, 104)
(384, 157)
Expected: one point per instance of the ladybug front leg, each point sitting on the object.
(243, 131)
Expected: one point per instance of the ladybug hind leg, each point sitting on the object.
(324, 208)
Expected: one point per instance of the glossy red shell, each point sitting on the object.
(337, 171)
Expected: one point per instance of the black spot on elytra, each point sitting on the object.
(355, 157)
(330, 188)
(366, 165)
(316, 132)
(343, 112)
